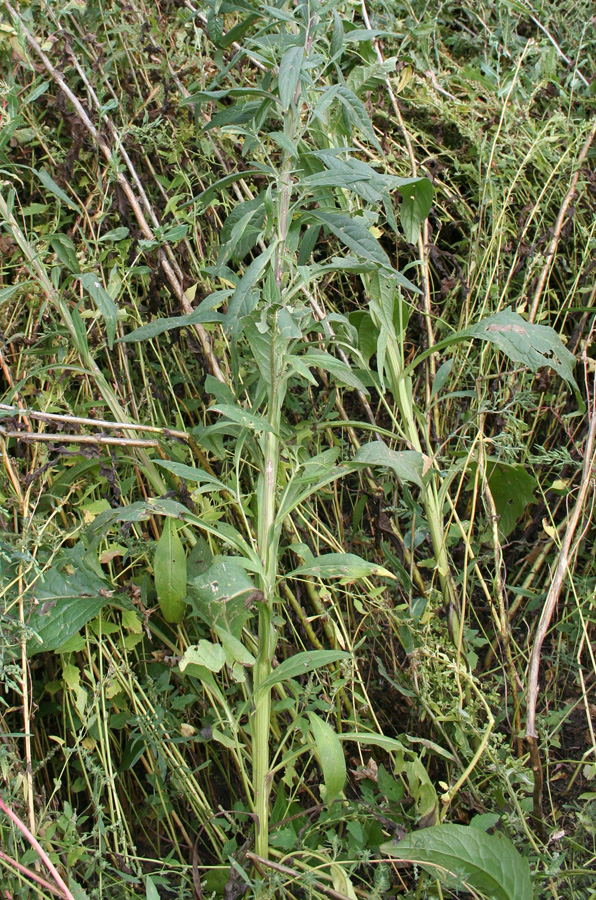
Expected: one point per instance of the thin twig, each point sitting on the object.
(32, 840)
(30, 874)
(96, 423)
(294, 873)
(77, 439)
(100, 141)
(566, 554)
(554, 242)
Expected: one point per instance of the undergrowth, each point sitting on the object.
(296, 431)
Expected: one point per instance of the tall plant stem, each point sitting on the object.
(267, 634)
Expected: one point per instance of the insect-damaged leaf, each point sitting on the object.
(347, 566)
(523, 342)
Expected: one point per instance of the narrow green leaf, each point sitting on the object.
(337, 36)
(407, 464)
(459, 854)
(289, 75)
(103, 301)
(347, 566)
(189, 473)
(49, 183)
(357, 115)
(302, 664)
(355, 235)
(170, 573)
(341, 372)
(372, 739)
(206, 196)
(202, 314)
(330, 756)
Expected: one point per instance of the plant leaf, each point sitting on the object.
(355, 235)
(407, 464)
(330, 756)
(347, 566)
(456, 854)
(103, 301)
(302, 663)
(289, 75)
(415, 206)
(525, 343)
(341, 372)
(205, 653)
(202, 314)
(170, 573)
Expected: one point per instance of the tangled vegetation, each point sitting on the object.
(297, 432)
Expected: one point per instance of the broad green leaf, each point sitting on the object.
(49, 183)
(235, 650)
(525, 343)
(346, 566)
(355, 235)
(103, 301)
(289, 75)
(407, 464)
(151, 892)
(170, 573)
(241, 417)
(415, 206)
(202, 314)
(512, 487)
(342, 373)
(458, 854)
(330, 756)
(220, 593)
(205, 653)
(70, 594)
(302, 663)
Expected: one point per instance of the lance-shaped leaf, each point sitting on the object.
(302, 664)
(170, 573)
(330, 756)
(289, 75)
(346, 566)
(103, 301)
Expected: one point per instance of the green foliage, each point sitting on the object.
(270, 364)
(468, 857)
